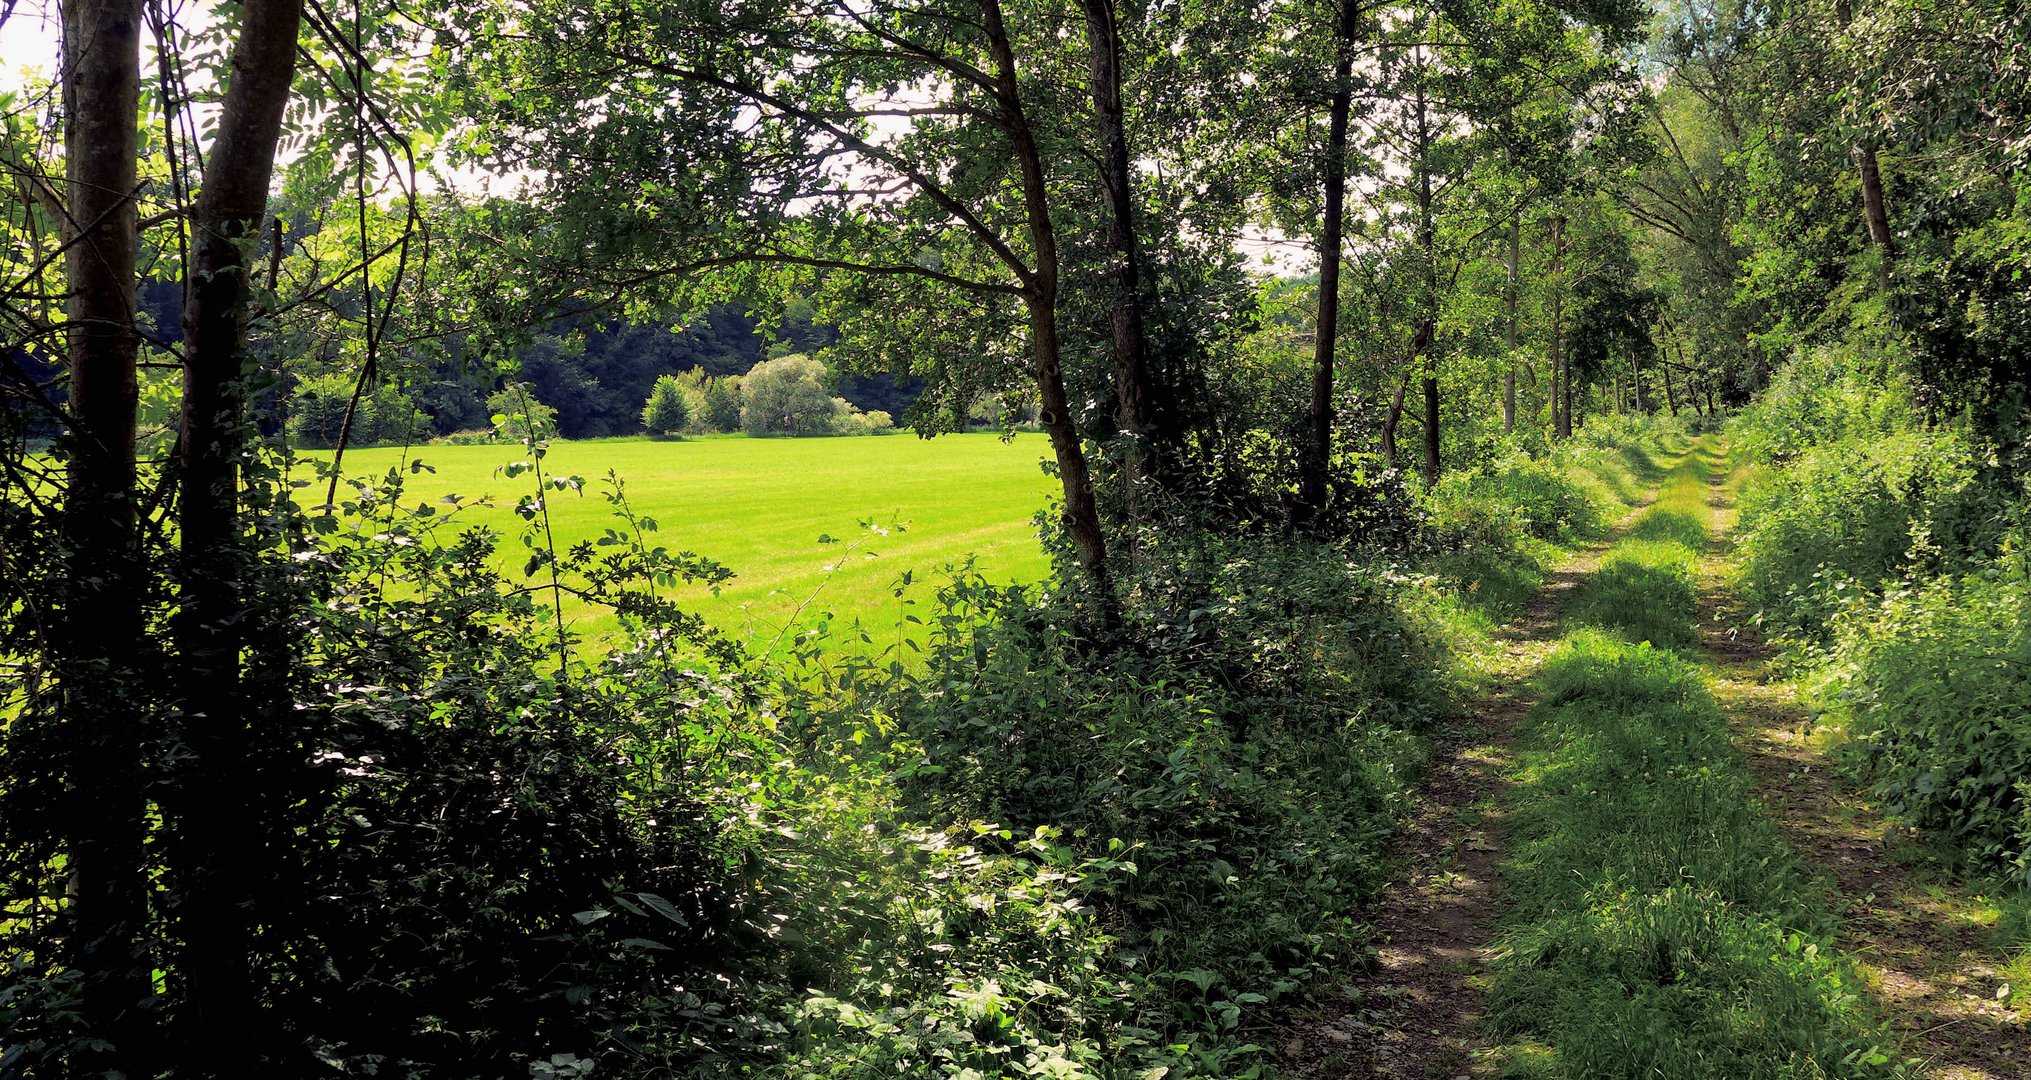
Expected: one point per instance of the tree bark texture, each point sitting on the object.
(222, 847)
(1040, 299)
(1428, 329)
(1135, 388)
(1318, 456)
(99, 625)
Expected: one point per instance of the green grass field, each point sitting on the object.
(759, 506)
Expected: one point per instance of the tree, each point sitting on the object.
(667, 412)
(519, 414)
(99, 627)
(789, 396)
(723, 403)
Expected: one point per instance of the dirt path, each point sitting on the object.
(1414, 1013)
(1921, 938)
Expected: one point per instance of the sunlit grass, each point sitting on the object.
(760, 507)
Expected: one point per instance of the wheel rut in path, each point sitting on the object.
(1916, 934)
(1414, 1013)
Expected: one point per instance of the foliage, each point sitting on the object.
(1931, 684)
(384, 414)
(790, 395)
(518, 414)
(667, 412)
(721, 406)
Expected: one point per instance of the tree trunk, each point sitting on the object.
(1670, 396)
(1562, 375)
(1509, 303)
(1040, 299)
(1312, 486)
(1874, 214)
(98, 633)
(1134, 385)
(1395, 417)
(222, 845)
(1427, 330)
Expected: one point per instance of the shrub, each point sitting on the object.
(386, 414)
(790, 395)
(722, 404)
(1841, 522)
(871, 422)
(1934, 685)
(666, 412)
(519, 414)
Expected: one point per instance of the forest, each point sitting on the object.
(1401, 539)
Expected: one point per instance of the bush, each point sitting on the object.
(385, 415)
(666, 412)
(790, 395)
(1841, 522)
(1934, 686)
(519, 414)
(722, 404)
(871, 422)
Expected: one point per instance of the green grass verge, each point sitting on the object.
(1656, 923)
(760, 506)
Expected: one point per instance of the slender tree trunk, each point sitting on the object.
(1562, 375)
(1670, 396)
(221, 841)
(1312, 485)
(99, 627)
(1134, 382)
(1395, 417)
(1428, 240)
(1040, 298)
(1509, 303)
(1636, 381)
(1874, 213)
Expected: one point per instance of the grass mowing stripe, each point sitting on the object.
(1656, 924)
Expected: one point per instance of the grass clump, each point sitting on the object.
(1658, 926)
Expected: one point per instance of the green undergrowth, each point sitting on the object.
(1657, 925)
(1888, 555)
(1500, 529)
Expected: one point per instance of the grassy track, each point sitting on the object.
(1655, 923)
(759, 506)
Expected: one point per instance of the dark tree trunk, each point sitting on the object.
(1395, 417)
(221, 843)
(1875, 215)
(1040, 298)
(1562, 375)
(1670, 395)
(1134, 383)
(1312, 486)
(99, 627)
(1509, 297)
(1427, 330)
(1874, 212)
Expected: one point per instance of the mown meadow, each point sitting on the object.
(809, 527)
